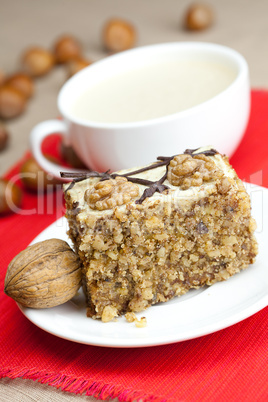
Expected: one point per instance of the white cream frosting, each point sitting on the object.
(175, 193)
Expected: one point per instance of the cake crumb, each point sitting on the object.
(131, 317)
(141, 323)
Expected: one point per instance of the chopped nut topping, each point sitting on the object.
(187, 171)
(224, 186)
(110, 193)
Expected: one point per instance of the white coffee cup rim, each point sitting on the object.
(231, 54)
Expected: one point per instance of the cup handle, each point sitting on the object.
(37, 136)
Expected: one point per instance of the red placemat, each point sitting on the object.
(231, 364)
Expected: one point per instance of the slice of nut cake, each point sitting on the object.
(150, 234)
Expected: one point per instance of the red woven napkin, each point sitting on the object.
(231, 364)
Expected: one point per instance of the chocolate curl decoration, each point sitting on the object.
(155, 186)
(207, 152)
(82, 176)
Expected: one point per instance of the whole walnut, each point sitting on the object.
(45, 274)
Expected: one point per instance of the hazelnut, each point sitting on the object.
(70, 156)
(4, 137)
(22, 82)
(76, 65)
(198, 17)
(10, 196)
(118, 35)
(37, 61)
(2, 77)
(12, 102)
(66, 48)
(34, 178)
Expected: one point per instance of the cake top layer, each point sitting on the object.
(185, 177)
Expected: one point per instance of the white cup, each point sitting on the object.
(219, 121)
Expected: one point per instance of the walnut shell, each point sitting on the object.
(45, 274)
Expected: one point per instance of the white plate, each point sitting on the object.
(197, 313)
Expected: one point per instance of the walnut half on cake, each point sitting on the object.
(150, 234)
